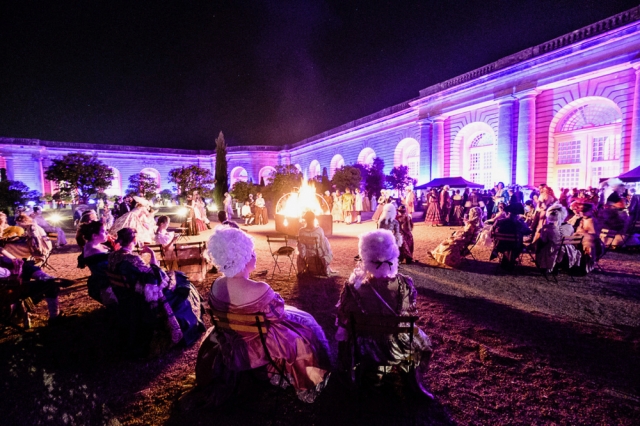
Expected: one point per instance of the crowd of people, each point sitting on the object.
(160, 308)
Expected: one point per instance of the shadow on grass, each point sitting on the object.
(75, 372)
(611, 356)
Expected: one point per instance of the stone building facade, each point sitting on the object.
(565, 113)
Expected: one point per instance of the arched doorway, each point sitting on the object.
(407, 153)
(154, 174)
(238, 174)
(266, 173)
(584, 143)
(337, 162)
(116, 183)
(314, 169)
(366, 156)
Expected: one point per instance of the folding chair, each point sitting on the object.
(234, 324)
(53, 237)
(507, 238)
(380, 327)
(285, 250)
(12, 294)
(158, 249)
(634, 228)
(312, 261)
(467, 250)
(573, 240)
(607, 236)
(189, 255)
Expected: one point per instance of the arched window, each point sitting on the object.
(476, 145)
(116, 183)
(238, 174)
(266, 173)
(314, 169)
(299, 167)
(154, 174)
(337, 162)
(408, 154)
(366, 157)
(585, 140)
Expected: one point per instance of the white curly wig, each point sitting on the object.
(556, 213)
(379, 253)
(388, 212)
(230, 249)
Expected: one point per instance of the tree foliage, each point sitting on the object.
(143, 184)
(191, 178)
(221, 176)
(285, 179)
(347, 177)
(14, 193)
(166, 195)
(399, 178)
(80, 175)
(375, 180)
(241, 190)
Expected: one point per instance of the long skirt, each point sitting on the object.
(457, 216)
(434, 215)
(377, 213)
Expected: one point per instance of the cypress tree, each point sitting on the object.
(221, 178)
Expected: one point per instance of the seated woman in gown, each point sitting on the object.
(166, 238)
(452, 250)
(549, 249)
(33, 243)
(586, 224)
(168, 296)
(95, 256)
(295, 340)
(377, 288)
(140, 219)
(311, 230)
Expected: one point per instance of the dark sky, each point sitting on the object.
(164, 73)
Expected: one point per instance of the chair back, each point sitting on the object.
(240, 323)
(512, 238)
(607, 236)
(189, 254)
(158, 249)
(277, 241)
(377, 325)
(53, 237)
(310, 244)
(572, 240)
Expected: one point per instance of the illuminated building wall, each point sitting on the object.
(566, 113)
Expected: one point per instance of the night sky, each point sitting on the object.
(173, 74)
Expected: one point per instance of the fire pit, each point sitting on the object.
(291, 208)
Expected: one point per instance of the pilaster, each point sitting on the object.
(525, 147)
(506, 136)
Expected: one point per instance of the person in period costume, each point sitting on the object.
(36, 285)
(501, 196)
(228, 205)
(107, 217)
(382, 200)
(294, 339)
(457, 209)
(451, 251)
(549, 250)
(445, 205)
(30, 240)
(433, 216)
(324, 248)
(410, 201)
(140, 218)
(166, 238)
(199, 212)
(336, 210)
(388, 221)
(511, 251)
(164, 299)
(95, 256)
(376, 288)
(359, 204)
(406, 230)
(247, 213)
(366, 201)
(348, 204)
(126, 206)
(373, 202)
(261, 210)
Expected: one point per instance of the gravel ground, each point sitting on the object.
(507, 350)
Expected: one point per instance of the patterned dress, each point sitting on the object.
(294, 339)
(433, 216)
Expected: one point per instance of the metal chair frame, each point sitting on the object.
(512, 238)
(158, 249)
(182, 262)
(286, 250)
